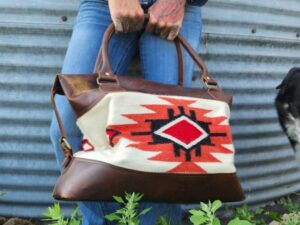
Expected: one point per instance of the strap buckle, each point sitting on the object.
(65, 142)
(210, 83)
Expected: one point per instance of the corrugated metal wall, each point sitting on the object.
(248, 44)
(33, 40)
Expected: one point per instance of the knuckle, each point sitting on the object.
(131, 15)
(152, 21)
(161, 24)
(176, 27)
(124, 14)
(171, 37)
(169, 25)
(140, 14)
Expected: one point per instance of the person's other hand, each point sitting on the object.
(165, 18)
(127, 15)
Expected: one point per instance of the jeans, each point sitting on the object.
(158, 63)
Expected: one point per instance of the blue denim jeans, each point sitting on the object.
(158, 63)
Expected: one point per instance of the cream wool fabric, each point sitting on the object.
(112, 110)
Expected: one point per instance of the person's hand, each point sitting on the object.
(165, 18)
(127, 15)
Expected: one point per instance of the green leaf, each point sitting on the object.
(204, 207)
(138, 197)
(74, 213)
(55, 215)
(163, 220)
(129, 213)
(121, 211)
(145, 211)
(198, 220)
(273, 215)
(259, 211)
(54, 212)
(216, 221)
(216, 205)
(237, 221)
(75, 218)
(196, 212)
(112, 217)
(118, 199)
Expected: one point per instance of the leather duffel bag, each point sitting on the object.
(171, 143)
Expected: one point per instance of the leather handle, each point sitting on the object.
(207, 79)
(103, 67)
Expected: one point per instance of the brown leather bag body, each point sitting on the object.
(171, 143)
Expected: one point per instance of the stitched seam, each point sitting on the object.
(154, 173)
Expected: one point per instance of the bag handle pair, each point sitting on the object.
(103, 67)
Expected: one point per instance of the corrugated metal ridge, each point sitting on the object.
(34, 28)
(247, 38)
(66, 6)
(289, 10)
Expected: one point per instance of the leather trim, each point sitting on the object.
(83, 92)
(88, 180)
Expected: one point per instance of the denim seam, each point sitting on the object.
(124, 55)
(142, 61)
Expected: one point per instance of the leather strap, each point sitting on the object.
(64, 144)
(208, 80)
(103, 67)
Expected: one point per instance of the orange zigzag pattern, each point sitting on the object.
(166, 150)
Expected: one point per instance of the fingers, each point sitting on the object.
(151, 25)
(173, 34)
(165, 30)
(128, 21)
(136, 21)
(118, 25)
(126, 24)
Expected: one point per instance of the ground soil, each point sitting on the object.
(19, 221)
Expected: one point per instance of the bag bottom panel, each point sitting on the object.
(87, 181)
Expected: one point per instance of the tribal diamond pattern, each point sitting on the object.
(178, 132)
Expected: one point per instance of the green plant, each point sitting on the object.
(245, 213)
(290, 219)
(206, 215)
(237, 221)
(56, 217)
(289, 205)
(129, 214)
(163, 220)
(1, 193)
(275, 216)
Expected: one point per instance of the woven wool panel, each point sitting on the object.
(153, 133)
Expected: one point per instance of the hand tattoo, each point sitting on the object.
(166, 18)
(169, 10)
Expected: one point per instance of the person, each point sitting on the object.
(158, 63)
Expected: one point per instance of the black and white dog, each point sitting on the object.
(288, 108)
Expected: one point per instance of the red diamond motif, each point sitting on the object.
(183, 131)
